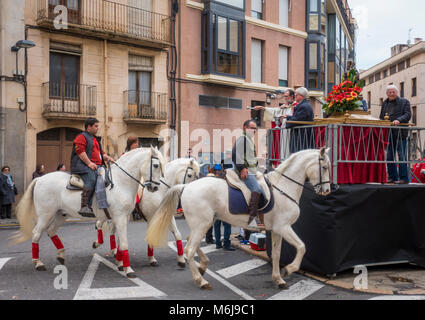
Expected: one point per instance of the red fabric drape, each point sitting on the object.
(361, 144)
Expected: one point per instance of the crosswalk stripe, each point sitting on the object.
(240, 268)
(298, 291)
(218, 278)
(398, 297)
(3, 261)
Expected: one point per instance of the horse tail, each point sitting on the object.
(25, 212)
(156, 235)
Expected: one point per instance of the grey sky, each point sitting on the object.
(384, 23)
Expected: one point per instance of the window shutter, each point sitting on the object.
(140, 63)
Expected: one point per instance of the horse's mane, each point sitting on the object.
(287, 163)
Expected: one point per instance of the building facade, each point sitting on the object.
(406, 70)
(245, 51)
(92, 58)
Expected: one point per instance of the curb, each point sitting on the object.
(333, 282)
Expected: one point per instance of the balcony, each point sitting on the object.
(108, 20)
(347, 16)
(145, 107)
(64, 101)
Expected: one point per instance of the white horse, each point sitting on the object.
(179, 171)
(207, 199)
(47, 203)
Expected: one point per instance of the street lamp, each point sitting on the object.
(21, 44)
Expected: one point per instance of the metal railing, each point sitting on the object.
(69, 99)
(346, 14)
(352, 145)
(110, 17)
(145, 105)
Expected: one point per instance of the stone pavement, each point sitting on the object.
(390, 279)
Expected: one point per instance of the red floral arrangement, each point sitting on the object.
(344, 97)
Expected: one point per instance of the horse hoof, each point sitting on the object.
(283, 286)
(94, 245)
(202, 271)
(121, 268)
(206, 286)
(132, 275)
(154, 264)
(41, 268)
(181, 265)
(61, 261)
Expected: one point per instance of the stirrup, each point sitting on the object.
(86, 212)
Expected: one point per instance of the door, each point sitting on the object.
(140, 93)
(54, 146)
(140, 18)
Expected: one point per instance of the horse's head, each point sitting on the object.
(182, 171)
(154, 171)
(319, 173)
(191, 171)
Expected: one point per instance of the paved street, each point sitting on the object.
(92, 273)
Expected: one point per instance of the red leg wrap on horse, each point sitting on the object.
(179, 244)
(35, 251)
(150, 252)
(119, 255)
(57, 242)
(100, 236)
(113, 243)
(125, 259)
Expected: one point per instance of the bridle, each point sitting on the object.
(320, 184)
(146, 184)
(184, 179)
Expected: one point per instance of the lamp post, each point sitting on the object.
(21, 44)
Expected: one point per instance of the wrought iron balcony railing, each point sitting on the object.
(106, 19)
(347, 16)
(68, 100)
(145, 107)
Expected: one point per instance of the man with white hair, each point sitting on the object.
(398, 109)
(300, 137)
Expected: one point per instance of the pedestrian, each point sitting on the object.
(132, 143)
(226, 244)
(61, 167)
(364, 103)
(301, 138)
(8, 191)
(39, 171)
(398, 109)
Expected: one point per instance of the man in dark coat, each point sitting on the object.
(398, 109)
(7, 192)
(301, 138)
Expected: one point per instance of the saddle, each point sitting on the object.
(240, 195)
(75, 182)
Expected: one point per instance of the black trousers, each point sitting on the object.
(6, 211)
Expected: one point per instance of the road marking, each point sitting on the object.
(206, 249)
(298, 291)
(218, 278)
(3, 261)
(85, 292)
(398, 297)
(241, 268)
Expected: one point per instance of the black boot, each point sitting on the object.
(86, 199)
(253, 206)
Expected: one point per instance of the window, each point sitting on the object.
(316, 65)
(377, 76)
(401, 66)
(284, 13)
(73, 7)
(256, 61)
(402, 89)
(414, 87)
(139, 84)
(414, 115)
(317, 16)
(283, 66)
(222, 45)
(369, 99)
(257, 116)
(220, 102)
(257, 9)
(385, 73)
(408, 63)
(64, 74)
(393, 69)
(371, 79)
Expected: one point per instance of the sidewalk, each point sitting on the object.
(383, 280)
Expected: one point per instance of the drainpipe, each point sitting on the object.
(105, 93)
